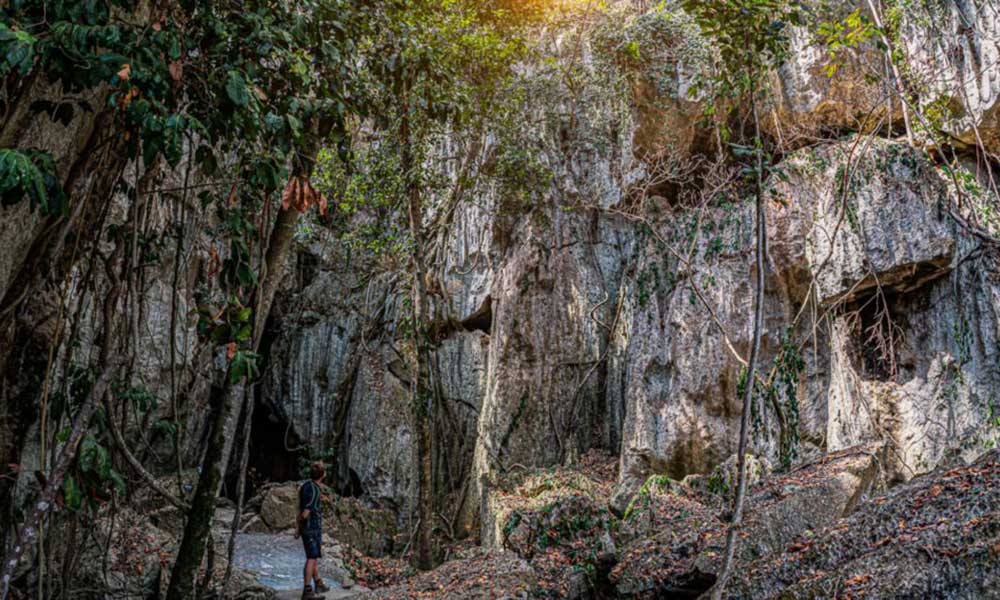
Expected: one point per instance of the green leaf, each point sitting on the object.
(236, 89)
(103, 460)
(31, 173)
(88, 454)
(72, 494)
(63, 435)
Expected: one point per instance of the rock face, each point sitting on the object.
(951, 50)
(896, 269)
(612, 308)
(576, 324)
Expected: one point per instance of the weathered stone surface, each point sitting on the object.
(954, 50)
(380, 434)
(666, 55)
(934, 537)
(487, 576)
(674, 541)
(719, 486)
(948, 51)
(316, 359)
(280, 507)
(862, 215)
(371, 531)
(869, 234)
(809, 498)
(678, 369)
(541, 390)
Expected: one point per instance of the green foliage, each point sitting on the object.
(17, 49)
(654, 44)
(751, 36)
(92, 479)
(717, 483)
(31, 173)
(652, 483)
(368, 192)
(783, 392)
(848, 34)
(244, 365)
(780, 392)
(243, 83)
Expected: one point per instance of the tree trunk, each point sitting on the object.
(278, 249)
(199, 521)
(758, 325)
(198, 525)
(421, 399)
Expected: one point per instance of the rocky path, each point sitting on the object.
(335, 594)
(276, 561)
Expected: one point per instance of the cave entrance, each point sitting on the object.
(482, 319)
(276, 453)
(878, 332)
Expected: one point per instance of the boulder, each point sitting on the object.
(369, 530)
(809, 498)
(557, 520)
(936, 537)
(674, 542)
(664, 531)
(719, 486)
(280, 507)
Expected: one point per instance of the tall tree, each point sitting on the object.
(751, 39)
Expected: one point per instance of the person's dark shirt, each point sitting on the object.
(310, 498)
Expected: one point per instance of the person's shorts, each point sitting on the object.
(312, 542)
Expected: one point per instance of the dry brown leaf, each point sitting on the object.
(176, 70)
(288, 196)
(308, 197)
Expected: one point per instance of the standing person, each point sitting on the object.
(310, 527)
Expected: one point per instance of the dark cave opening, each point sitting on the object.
(350, 485)
(276, 453)
(878, 335)
(482, 319)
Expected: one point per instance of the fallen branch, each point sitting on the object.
(138, 468)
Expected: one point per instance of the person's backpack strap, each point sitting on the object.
(316, 495)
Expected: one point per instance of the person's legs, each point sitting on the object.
(318, 582)
(311, 543)
(320, 585)
(307, 573)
